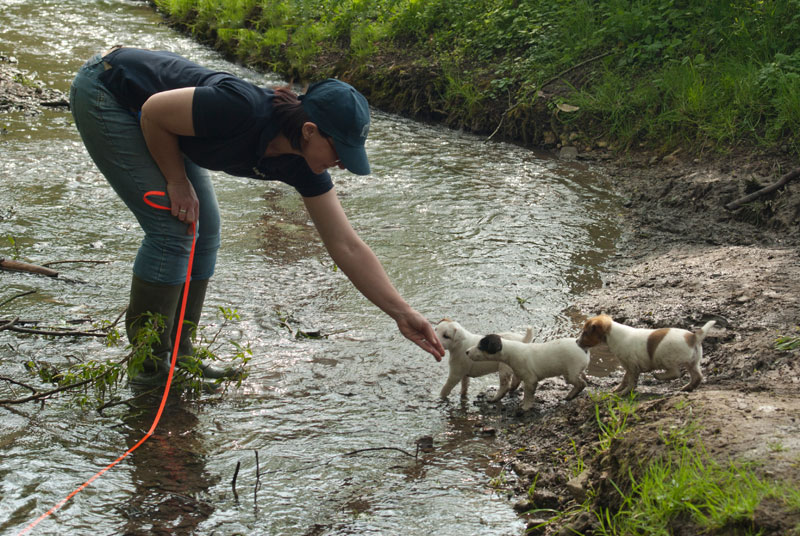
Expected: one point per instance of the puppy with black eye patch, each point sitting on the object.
(643, 350)
(456, 339)
(534, 362)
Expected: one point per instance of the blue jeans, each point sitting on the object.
(114, 140)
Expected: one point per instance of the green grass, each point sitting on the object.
(663, 73)
(686, 486)
(682, 486)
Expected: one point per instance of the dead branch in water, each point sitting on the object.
(11, 325)
(354, 452)
(733, 205)
(19, 266)
(233, 482)
(21, 294)
(76, 261)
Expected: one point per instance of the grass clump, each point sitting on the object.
(685, 487)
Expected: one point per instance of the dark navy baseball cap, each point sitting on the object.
(342, 113)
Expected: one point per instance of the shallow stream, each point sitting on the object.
(490, 234)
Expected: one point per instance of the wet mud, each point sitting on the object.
(684, 259)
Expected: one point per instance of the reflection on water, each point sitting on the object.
(489, 234)
(169, 474)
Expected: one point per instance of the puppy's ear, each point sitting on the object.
(491, 344)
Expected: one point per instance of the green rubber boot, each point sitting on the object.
(149, 297)
(191, 319)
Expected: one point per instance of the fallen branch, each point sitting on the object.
(9, 324)
(17, 296)
(76, 261)
(351, 453)
(52, 333)
(18, 266)
(733, 205)
(42, 395)
(233, 482)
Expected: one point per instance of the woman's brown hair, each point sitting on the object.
(290, 115)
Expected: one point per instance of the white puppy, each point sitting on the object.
(533, 362)
(643, 350)
(456, 339)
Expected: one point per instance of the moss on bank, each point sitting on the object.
(660, 74)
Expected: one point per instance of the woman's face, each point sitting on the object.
(318, 150)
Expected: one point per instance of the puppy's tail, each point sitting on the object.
(700, 334)
(528, 335)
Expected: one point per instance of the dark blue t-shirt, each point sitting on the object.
(233, 119)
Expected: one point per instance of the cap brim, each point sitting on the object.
(353, 158)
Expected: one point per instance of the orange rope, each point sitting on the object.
(166, 388)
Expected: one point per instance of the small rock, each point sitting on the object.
(577, 486)
(568, 153)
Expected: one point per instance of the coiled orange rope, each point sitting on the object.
(166, 388)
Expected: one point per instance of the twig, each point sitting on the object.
(8, 324)
(15, 382)
(351, 453)
(75, 261)
(39, 395)
(56, 333)
(128, 401)
(544, 85)
(733, 205)
(17, 296)
(233, 482)
(42, 395)
(255, 488)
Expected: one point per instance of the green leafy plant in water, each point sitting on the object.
(98, 384)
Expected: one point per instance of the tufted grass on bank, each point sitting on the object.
(681, 489)
(657, 73)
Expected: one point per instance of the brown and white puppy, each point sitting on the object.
(533, 362)
(456, 339)
(643, 350)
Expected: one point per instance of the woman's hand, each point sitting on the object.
(165, 116)
(418, 330)
(184, 204)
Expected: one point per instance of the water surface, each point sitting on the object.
(489, 234)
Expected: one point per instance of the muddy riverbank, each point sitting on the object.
(684, 259)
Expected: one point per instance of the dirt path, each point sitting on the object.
(684, 260)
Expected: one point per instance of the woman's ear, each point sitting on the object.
(309, 129)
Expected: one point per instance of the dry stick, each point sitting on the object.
(351, 453)
(15, 382)
(9, 324)
(258, 481)
(17, 296)
(55, 333)
(76, 261)
(767, 189)
(233, 482)
(547, 83)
